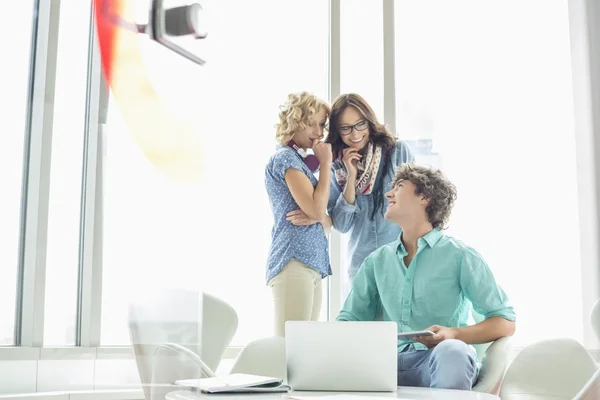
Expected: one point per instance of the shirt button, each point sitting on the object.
(405, 302)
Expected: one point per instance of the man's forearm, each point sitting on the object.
(486, 331)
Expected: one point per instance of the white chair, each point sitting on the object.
(264, 357)
(555, 369)
(178, 334)
(595, 318)
(494, 358)
(591, 390)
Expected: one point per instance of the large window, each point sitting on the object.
(15, 39)
(62, 259)
(361, 51)
(361, 71)
(484, 91)
(212, 236)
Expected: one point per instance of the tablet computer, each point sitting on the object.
(411, 335)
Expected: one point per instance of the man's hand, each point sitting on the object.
(298, 217)
(441, 333)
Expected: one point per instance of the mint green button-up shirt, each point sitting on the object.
(445, 280)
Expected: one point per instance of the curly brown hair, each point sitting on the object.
(434, 186)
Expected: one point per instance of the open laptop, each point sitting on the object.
(342, 356)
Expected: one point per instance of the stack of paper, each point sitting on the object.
(238, 383)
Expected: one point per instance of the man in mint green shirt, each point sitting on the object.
(429, 280)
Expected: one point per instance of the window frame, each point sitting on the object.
(29, 321)
(584, 20)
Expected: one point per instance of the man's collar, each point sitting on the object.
(400, 246)
(431, 238)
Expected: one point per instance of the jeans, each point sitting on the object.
(452, 364)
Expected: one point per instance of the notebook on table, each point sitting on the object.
(235, 383)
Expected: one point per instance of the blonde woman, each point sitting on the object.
(298, 257)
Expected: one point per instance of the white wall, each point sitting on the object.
(46, 370)
(34, 370)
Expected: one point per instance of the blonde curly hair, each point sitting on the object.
(296, 115)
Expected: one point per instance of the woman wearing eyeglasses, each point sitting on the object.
(365, 158)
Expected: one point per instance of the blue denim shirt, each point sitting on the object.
(307, 244)
(366, 234)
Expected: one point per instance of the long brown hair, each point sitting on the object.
(379, 134)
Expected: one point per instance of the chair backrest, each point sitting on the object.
(494, 358)
(591, 390)
(560, 367)
(595, 318)
(264, 357)
(197, 321)
(480, 348)
(494, 363)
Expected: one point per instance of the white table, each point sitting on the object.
(402, 393)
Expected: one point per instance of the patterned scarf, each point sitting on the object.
(367, 170)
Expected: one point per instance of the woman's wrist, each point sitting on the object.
(325, 165)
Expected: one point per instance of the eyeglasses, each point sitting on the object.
(359, 126)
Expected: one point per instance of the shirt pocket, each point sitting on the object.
(438, 296)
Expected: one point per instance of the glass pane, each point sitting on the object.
(361, 71)
(362, 51)
(15, 39)
(212, 236)
(492, 107)
(60, 313)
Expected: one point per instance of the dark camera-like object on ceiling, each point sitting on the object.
(165, 25)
